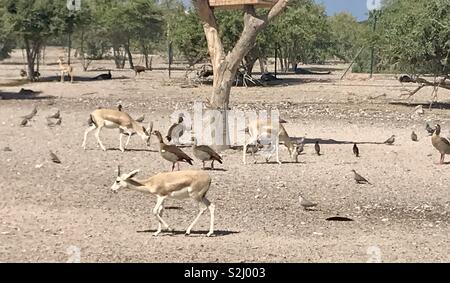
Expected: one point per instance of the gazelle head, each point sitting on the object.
(147, 133)
(121, 180)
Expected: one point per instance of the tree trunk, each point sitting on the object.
(31, 52)
(130, 56)
(225, 66)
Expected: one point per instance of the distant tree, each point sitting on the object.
(347, 36)
(33, 22)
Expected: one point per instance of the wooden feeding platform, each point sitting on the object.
(239, 4)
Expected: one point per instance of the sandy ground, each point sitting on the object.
(48, 210)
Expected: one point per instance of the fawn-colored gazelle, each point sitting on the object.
(171, 185)
(65, 69)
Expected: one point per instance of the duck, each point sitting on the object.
(171, 152)
(440, 143)
(205, 153)
(176, 131)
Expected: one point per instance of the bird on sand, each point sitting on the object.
(360, 179)
(54, 158)
(24, 122)
(205, 153)
(390, 140)
(440, 143)
(140, 119)
(171, 152)
(355, 150)
(306, 204)
(176, 131)
(119, 107)
(317, 148)
(413, 136)
(429, 129)
(55, 115)
(31, 115)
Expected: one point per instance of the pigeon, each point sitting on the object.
(56, 115)
(413, 136)
(355, 150)
(306, 204)
(317, 148)
(429, 129)
(360, 179)
(54, 157)
(24, 122)
(390, 140)
(140, 119)
(31, 115)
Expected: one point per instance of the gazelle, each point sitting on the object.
(172, 185)
(263, 128)
(65, 68)
(112, 119)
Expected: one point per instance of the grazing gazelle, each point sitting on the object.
(263, 128)
(65, 68)
(112, 119)
(172, 185)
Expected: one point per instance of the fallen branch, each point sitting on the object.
(423, 83)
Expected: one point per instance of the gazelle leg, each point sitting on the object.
(212, 164)
(121, 134)
(173, 166)
(277, 147)
(88, 130)
(128, 140)
(211, 208)
(202, 209)
(62, 76)
(178, 165)
(97, 135)
(156, 211)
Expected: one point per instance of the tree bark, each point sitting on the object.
(31, 48)
(129, 55)
(225, 66)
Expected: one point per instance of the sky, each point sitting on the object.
(357, 8)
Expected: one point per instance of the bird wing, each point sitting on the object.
(211, 152)
(178, 152)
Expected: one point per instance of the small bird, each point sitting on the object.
(24, 122)
(317, 148)
(429, 129)
(58, 121)
(56, 115)
(306, 204)
(119, 107)
(413, 136)
(176, 131)
(299, 147)
(54, 157)
(390, 140)
(171, 152)
(440, 143)
(23, 73)
(7, 148)
(360, 179)
(140, 119)
(31, 115)
(205, 153)
(355, 150)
